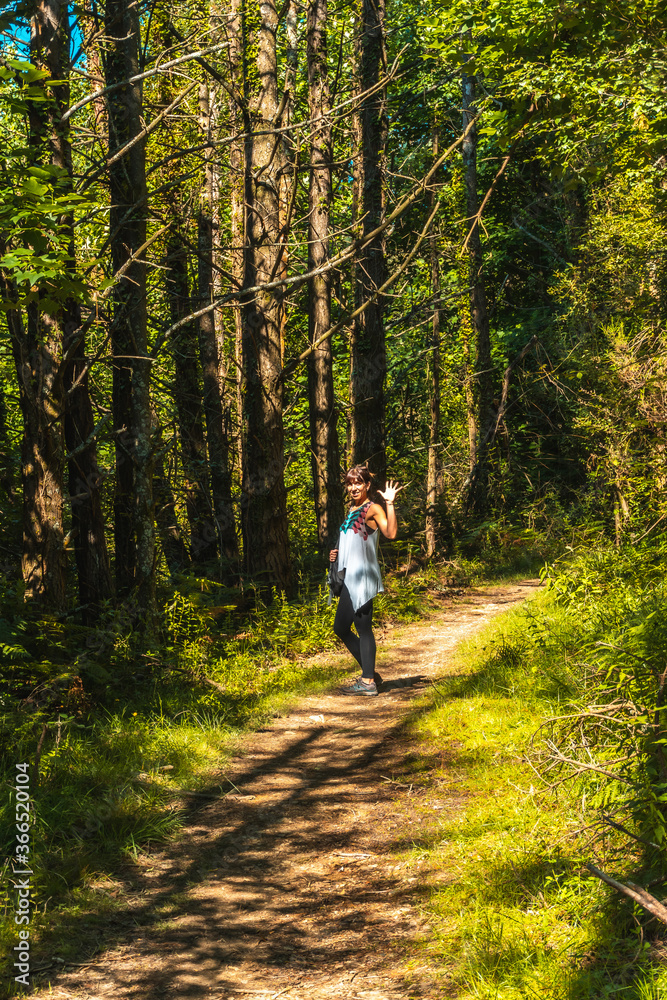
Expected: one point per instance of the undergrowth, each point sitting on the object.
(517, 913)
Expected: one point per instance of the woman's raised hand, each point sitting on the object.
(390, 491)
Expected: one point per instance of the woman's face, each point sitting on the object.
(357, 492)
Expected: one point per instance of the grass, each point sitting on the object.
(515, 913)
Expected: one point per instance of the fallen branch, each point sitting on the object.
(635, 893)
(580, 766)
(218, 687)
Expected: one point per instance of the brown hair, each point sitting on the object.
(361, 474)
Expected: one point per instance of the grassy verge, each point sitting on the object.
(516, 913)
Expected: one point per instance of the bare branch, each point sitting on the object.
(290, 366)
(342, 258)
(635, 893)
(141, 76)
(478, 217)
(140, 135)
(89, 440)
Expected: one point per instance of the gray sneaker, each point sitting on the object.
(359, 687)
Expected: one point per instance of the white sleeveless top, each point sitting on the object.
(357, 555)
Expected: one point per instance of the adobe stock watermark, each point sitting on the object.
(21, 874)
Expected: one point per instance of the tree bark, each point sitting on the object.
(217, 431)
(239, 124)
(133, 502)
(49, 357)
(325, 458)
(37, 360)
(290, 153)
(433, 473)
(482, 381)
(188, 399)
(38, 346)
(367, 342)
(264, 508)
(7, 490)
(174, 548)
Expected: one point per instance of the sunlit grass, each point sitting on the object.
(515, 913)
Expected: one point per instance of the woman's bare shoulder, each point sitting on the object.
(374, 510)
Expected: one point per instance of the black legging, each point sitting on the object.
(363, 646)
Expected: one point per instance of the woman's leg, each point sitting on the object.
(343, 624)
(362, 646)
(363, 620)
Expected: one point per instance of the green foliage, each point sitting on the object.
(615, 610)
(586, 74)
(514, 912)
(35, 204)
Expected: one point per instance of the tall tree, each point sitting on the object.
(324, 450)
(240, 125)
(433, 470)
(184, 344)
(51, 365)
(481, 384)
(264, 509)
(188, 399)
(368, 357)
(38, 346)
(133, 502)
(217, 430)
(84, 476)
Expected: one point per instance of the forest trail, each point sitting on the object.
(290, 887)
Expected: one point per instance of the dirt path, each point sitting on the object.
(291, 887)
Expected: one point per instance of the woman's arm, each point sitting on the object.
(376, 517)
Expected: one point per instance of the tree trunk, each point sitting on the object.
(188, 399)
(216, 431)
(133, 503)
(482, 385)
(174, 548)
(37, 361)
(290, 153)
(264, 511)
(37, 349)
(49, 360)
(93, 31)
(325, 459)
(433, 473)
(7, 490)
(367, 346)
(239, 124)
(84, 476)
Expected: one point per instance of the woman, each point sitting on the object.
(357, 555)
